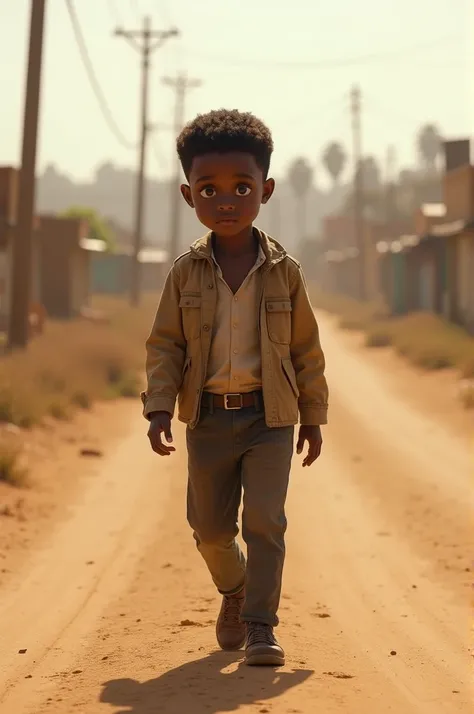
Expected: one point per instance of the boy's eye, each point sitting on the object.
(208, 192)
(243, 190)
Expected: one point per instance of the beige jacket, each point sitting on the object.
(178, 347)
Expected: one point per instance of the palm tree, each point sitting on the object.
(429, 145)
(300, 176)
(370, 174)
(334, 160)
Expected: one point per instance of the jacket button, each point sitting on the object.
(210, 286)
(205, 328)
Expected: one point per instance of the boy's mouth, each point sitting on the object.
(227, 220)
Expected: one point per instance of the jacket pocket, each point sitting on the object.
(278, 311)
(190, 306)
(289, 372)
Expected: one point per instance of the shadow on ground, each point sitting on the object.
(202, 687)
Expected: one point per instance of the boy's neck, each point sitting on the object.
(243, 243)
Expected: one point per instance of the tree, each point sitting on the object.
(334, 160)
(429, 145)
(371, 177)
(98, 229)
(300, 176)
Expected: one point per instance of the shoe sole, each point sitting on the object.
(232, 649)
(265, 660)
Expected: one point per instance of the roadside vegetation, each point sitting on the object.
(424, 339)
(69, 367)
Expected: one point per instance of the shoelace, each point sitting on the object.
(232, 610)
(260, 635)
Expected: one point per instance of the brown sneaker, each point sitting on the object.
(230, 631)
(262, 648)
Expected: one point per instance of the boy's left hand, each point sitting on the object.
(311, 434)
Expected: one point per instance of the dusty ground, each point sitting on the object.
(116, 613)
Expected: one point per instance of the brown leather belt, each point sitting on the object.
(234, 402)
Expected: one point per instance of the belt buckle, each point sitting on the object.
(226, 402)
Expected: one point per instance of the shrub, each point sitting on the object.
(11, 470)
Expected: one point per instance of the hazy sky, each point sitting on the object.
(258, 55)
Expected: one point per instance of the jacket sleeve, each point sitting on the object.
(165, 352)
(307, 356)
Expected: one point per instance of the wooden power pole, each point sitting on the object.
(22, 248)
(181, 84)
(389, 189)
(146, 41)
(358, 189)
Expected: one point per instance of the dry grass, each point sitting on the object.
(12, 472)
(425, 339)
(353, 315)
(75, 363)
(466, 393)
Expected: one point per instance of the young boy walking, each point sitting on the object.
(236, 342)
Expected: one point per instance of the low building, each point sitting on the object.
(397, 279)
(111, 272)
(64, 258)
(61, 254)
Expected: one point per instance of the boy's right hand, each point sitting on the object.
(160, 423)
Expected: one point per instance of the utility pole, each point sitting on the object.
(22, 248)
(389, 188)
(181, 84)
(146, 41)
(358, 188)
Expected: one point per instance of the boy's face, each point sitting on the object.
(227, 190)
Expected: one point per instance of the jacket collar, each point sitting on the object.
(274, 252)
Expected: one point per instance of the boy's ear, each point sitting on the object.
(268, 188)
(186, 193)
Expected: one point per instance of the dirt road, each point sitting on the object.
(116, 612)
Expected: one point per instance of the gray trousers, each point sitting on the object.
(231, 451)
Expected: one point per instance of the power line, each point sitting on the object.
(328, 63)
(22, 245)
(146, 41)
(181, 85)
(378, 110)
(97, 89)
(358, 183)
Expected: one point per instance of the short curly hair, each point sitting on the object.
(222, 131)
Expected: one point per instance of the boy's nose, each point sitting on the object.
(226, 206)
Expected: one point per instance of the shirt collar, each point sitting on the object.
(261, 257)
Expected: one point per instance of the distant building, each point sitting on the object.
(111, 272)
(60, 253)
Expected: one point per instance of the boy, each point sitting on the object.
(236, 341)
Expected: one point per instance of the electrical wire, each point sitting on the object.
(328, 63)
(97, 89)
(374, 106)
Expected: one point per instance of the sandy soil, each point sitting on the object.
(113, 610)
